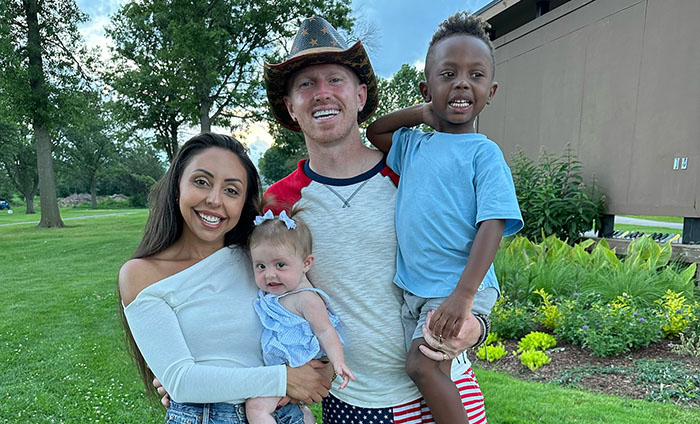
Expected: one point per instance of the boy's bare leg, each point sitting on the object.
(435, 384)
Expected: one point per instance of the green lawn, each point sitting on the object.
(62, 354)
(511, 401)
(19, 215)
(676, 219)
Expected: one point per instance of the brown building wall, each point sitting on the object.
(620, 81)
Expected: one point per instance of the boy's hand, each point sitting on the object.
(429, 115)
(440, 350)
(343, 371)
(448, 319)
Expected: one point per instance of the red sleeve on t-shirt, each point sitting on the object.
(283, 194)
(387, 172)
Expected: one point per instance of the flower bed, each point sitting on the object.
(603, 305)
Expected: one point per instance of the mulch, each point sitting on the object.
(611, 375)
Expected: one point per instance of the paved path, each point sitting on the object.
(647, 222)
(72, 218)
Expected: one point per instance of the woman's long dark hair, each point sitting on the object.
(165, 223)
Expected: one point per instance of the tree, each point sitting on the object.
(18, 158)
(399, 91)
(282, 157)
(88, 141)
(40, 47)
(200, 62)
(136, 167)
(144, 72)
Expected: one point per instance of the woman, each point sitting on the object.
(188, 290)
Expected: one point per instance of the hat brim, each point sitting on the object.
(355, 57)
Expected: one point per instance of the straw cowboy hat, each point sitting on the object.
(317, 42)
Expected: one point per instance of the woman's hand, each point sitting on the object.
(165, 399)
(309, 383)
(447, 349)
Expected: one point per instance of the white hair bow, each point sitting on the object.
(289, 222)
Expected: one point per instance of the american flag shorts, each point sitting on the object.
(336, 411)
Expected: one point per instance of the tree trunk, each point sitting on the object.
(205, 122)
(29, 198)
(93, 192)
(50, 214)
(174, 146)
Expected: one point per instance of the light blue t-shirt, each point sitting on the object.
(449, 183)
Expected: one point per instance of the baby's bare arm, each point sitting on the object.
(315, 312)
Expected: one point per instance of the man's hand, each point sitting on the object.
(451, 347)
(309, 383)
(165, 399)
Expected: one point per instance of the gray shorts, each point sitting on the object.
(415, 309)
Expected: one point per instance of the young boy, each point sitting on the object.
(455, 201)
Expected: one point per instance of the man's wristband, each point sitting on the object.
(485, 323)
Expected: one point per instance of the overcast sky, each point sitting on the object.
(405, 26)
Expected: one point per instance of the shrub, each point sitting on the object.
(608, 328)
(536, 340)
(493, 337)
(491, 352)
(511, 320)
(677, 314)
(553, 197)
(523, 267)
(547, 313)
(534, 359)
(687, 346)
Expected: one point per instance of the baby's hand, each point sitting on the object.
(343, 371)
(448, 319)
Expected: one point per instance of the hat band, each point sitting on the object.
(313, 50)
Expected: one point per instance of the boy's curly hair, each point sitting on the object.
(463, 23)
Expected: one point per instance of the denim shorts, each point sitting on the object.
(224, 413)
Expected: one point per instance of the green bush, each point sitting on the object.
(608, 328)
(491, 352)
(688, 345)
(536, 340)
(677, 313)
(547, 313)
(534, 359)
(553, 196)
(511, 320)
(524, 267)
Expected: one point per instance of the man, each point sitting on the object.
(347, 197)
